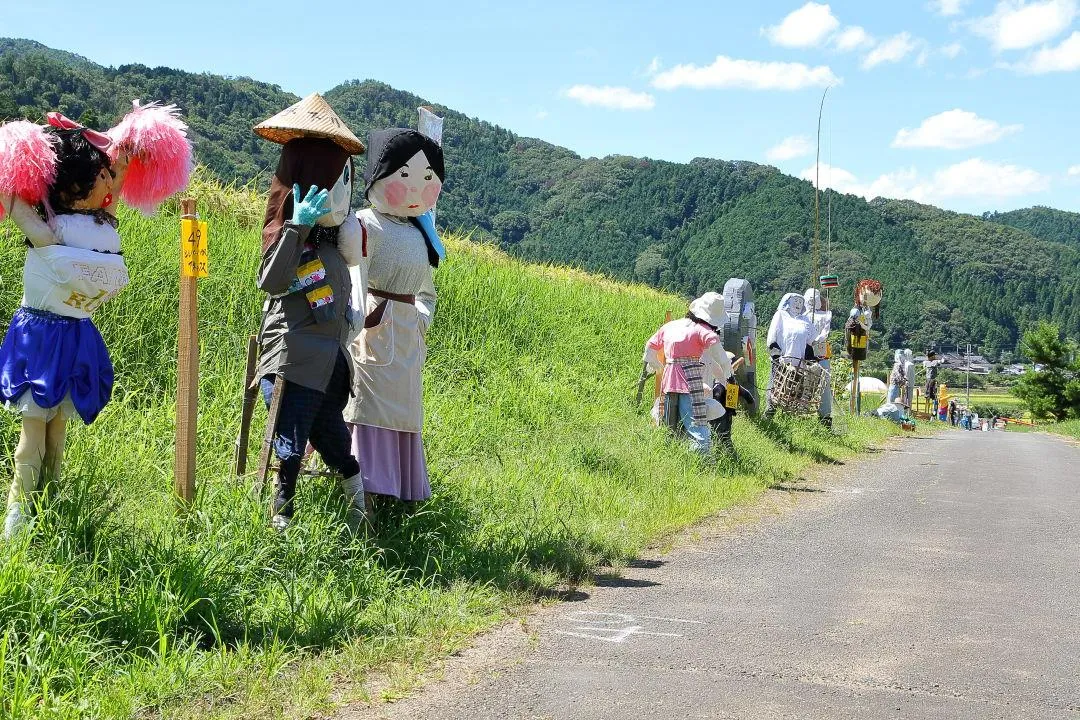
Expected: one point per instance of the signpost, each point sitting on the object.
(193, 265)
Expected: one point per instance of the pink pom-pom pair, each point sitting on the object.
(161, 155)
(161, 158)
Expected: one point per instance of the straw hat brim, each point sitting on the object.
(310, 117)
(282, 135)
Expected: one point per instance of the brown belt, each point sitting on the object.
(410, 299)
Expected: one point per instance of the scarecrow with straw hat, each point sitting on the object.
(691, 357)
(310, 240)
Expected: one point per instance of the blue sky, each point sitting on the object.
(968, 104)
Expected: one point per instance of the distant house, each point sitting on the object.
(958, 361)
(1014, 369)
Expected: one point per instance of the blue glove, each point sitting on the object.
(311, 208)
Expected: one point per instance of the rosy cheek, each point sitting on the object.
(395, 192)
(431, 192)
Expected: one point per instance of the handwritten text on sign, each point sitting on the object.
(193, 239)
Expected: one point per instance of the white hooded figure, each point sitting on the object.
(897, 379)
(909, 380)
(789, 335)
(820, 319)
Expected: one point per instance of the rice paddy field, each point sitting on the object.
(543, 468)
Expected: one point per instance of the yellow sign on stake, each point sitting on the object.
(196, 260)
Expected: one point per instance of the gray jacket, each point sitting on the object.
(293, 343)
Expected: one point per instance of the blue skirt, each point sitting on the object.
(53, 357)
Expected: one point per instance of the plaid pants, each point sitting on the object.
(309, 415)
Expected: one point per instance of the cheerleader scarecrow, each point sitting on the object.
(59, 183)
(403, 178)
(309, 241)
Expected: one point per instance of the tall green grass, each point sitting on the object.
(542, 470)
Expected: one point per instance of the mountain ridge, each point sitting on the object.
(685, 227)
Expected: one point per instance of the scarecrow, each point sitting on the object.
(59, 183)
(691, 357)
(819, 315)
(403, 178)
(309, 241)
(868, 294)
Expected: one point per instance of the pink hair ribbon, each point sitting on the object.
(99, 140)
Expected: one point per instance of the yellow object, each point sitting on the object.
(859, 341)
(319, 294)
(828, 351)
(731, 396)
(196, 260)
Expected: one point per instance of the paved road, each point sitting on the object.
(939, 580)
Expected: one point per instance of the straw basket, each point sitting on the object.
(798, 390)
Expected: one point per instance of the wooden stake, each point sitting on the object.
(187, 372)
(251, 394)
(658, 382)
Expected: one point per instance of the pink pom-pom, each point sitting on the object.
(161, 155)
(27, 161)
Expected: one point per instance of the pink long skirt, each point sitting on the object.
(391, 461)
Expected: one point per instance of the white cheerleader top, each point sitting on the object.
(81, 273)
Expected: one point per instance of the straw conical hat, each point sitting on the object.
(311, 117)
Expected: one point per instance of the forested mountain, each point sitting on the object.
(949, 277)
(1042, 222)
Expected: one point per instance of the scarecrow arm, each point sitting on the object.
(281, 259)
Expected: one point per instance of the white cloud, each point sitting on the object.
(948, 7)
(542, 114)
(974, 178)
(727, 72)
(893, 49)
(789, 148)
(953, 130)
(1063, 58)
(613, 98)
(808, 26)
(1074, 171)
(1016, 24)
(653, 68)
(952, 50)
(978, 177)
(852, 38)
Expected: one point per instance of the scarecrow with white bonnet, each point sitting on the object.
(310, 240)
(403, 178)
(59, 183)
(819, 315)
(691, 357)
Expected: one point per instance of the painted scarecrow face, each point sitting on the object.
(409, 191)
(870, 298)
(340, 198)
(795, 305)
(101, 195)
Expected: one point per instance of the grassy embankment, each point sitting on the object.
(542, 470)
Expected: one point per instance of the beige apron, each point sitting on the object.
(388, 361)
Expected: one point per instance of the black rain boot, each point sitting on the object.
(826, 421)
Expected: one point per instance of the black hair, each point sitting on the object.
(699, 321)
(78, 164)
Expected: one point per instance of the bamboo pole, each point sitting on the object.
(187, 365)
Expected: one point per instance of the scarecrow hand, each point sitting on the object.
(311, 208)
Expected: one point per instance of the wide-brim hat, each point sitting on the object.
(311, 117)
(710, 308)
